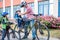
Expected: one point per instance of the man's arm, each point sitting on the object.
(28, 11)
(23, 13)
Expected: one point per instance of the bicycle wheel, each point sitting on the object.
(0, 33)
(0, 30)
(12, 34)
(22, 31)
(42, 32)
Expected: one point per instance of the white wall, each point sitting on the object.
(3, 5)
(54, 8)
(36, 6)
(12, 16)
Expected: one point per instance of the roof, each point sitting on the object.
(15, 2)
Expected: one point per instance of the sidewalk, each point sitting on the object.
(30, 38)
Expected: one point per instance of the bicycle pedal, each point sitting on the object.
(0, 34)
(13, 36)
(41, 33)
(33, 38)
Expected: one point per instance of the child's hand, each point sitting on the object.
(20, 14)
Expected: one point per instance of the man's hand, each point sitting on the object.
(21, 14)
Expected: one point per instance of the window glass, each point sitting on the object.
(46, 2)
(40, 8)
(32, 5)
(58, 9)
(58, 0)
(1, 10)
(8, 9)
(45, 9)
(18, 7)
(15, 8)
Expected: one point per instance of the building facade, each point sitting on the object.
(45, 7)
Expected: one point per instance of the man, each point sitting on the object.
(28, 13)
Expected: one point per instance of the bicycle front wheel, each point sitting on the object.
(43, 31)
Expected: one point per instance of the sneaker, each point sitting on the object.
(24, 37)
(41, 32)
(13, 36)
(33, 39)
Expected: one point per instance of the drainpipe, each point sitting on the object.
(36, 6)
(3, 5)
(11, 8)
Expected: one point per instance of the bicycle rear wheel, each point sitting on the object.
(42, 32)
(22, 31)
(0, 30)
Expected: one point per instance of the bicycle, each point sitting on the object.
(39, 26)
(11, 31)
(22, 29)
(0, 30)
(42, 28)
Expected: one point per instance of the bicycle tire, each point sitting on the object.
(43, 27)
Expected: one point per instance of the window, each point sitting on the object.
(15, 8)
(32, 5)
(18, 7)
(1, 10)
(58, 0)
(46, 7)
(8, 9)
(45, 0)
(1, 0)
(59, 9)
(46, 10)
(40, 8)
(43, 8)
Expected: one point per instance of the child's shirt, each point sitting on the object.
(18, 19)
(4, 22)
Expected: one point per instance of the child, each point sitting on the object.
(18, 18)
(19, 21)
(5, 28)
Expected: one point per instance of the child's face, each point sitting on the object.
(18, 12)
(6, 15)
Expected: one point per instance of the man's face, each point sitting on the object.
(25, 6)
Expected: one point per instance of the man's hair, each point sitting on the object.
(18, 11)
(23, 4)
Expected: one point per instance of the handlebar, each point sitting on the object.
(35, 14)
(10, 23)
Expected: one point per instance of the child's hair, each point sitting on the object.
(18, 11)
